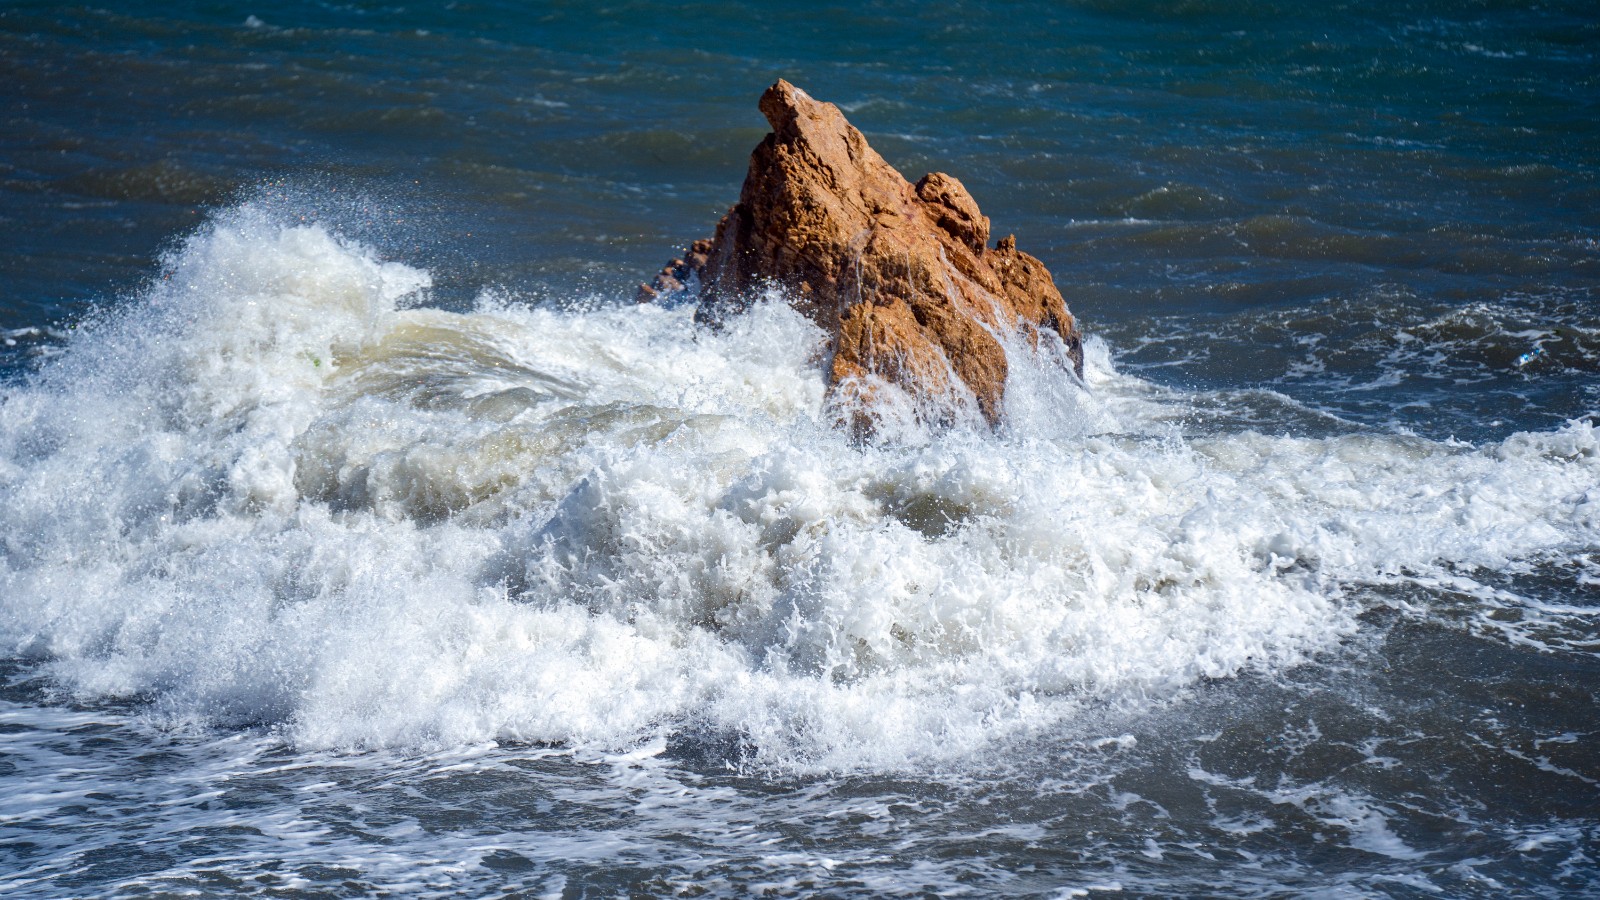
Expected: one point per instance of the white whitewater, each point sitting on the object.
(276, 489)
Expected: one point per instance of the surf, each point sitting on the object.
(280, 488)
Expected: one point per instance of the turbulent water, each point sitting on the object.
(359, 535)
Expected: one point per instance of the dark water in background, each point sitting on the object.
(1316, 240)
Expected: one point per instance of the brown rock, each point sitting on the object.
(898, 275)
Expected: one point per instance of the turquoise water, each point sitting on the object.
(361, 536)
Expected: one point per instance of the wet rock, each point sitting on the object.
(900, 276)
(675, 275)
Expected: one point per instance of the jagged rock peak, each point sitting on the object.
(900, 276)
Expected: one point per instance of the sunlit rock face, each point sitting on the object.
(900, 276)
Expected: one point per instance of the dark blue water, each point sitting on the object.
(357, 535)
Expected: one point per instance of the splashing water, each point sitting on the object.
(280, 490)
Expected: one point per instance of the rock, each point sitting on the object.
(899, 275)
(675, 274)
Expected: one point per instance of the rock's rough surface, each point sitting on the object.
(899, 275)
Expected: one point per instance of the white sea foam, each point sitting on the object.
(275, 489)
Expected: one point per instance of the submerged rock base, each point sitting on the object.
(900, 276)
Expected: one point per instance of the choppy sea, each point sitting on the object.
(360, 536)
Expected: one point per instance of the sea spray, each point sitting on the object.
(277, 489)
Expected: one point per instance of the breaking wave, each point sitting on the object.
(277, 489)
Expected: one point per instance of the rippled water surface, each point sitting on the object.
(359, 535)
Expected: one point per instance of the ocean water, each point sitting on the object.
(360, 536)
